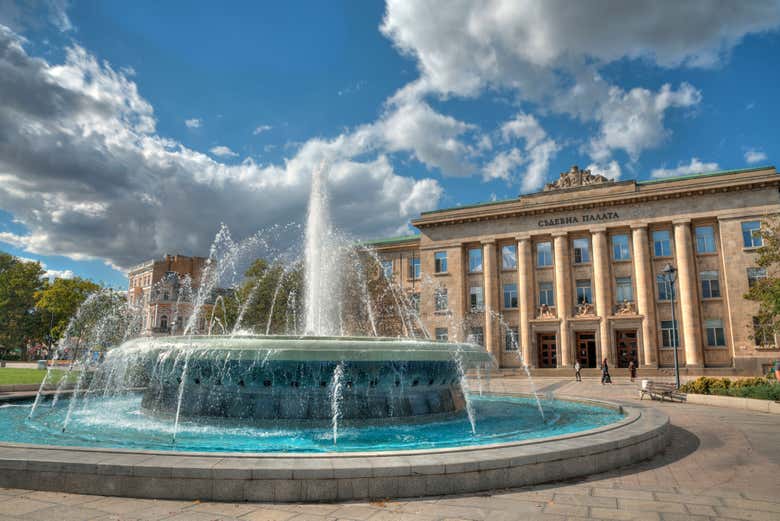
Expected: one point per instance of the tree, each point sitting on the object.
(60, 300)
(767, 291)
(19, 320)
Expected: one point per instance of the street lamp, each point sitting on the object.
(670, 275)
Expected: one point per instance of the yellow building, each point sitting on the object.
(574, 272)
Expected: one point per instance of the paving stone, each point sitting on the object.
(269, 514)
(623, 493)
(623, 515)
(688, 499)
(579, 499)
(651, 506)
(64, 513)
(752, 504)
(19, 506)
(747, 515)
(354, 512)
(564, 509)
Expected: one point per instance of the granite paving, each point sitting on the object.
(721, 464)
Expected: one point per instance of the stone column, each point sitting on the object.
(525, 297)
(563, 303)
(603, 286)
(491, 298)
(645, 300)
(687, 294)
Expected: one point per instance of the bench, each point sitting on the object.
(661, 390)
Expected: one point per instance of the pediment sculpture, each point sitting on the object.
(575, 178)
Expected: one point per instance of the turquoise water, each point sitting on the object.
(120, 423)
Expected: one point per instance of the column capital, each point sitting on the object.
(598, 229)
(523, 237)
(639, 226)
(486, 242)
(559, 234)
(680, 222)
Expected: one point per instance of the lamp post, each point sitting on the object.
(670, 275)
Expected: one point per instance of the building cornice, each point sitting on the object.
(601, 196)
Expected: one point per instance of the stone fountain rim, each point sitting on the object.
(642, 433)
(319, 348)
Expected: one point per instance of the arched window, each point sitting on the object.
(164, 322)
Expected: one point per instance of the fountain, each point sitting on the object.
(243, 401)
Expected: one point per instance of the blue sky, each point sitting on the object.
(134, 129)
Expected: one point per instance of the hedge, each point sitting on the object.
(758, 388)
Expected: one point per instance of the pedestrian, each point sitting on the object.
(777, 370)
(605, 378)
(577, 368)
(632, 370)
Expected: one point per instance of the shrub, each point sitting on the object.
(757, 388)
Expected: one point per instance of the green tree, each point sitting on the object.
(767, 292)
(268, 291)
(60, 300)
(19, 320)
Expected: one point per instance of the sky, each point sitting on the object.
(129, 130)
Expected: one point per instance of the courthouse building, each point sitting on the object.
(574, 272)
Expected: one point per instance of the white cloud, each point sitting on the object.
(193, 123)
(58, 274)
(550, 53)
(634, 120)
(260, 129)
(753, 156)
(696, 166)
(539, 149)
(83, 169)
(222, 151)
(610, 170)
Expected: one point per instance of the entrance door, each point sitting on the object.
(626, 347)
(586, 349)
(547, 348)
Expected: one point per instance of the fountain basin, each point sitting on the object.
(283, 378)
(226, 476)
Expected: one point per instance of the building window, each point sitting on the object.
(164, 323)
(475, 260)
(414, 267)
(510, 296)
(625, 292)
(442, 302)
(441, 334)
(387, 269)
(544, 254)
(664, 290)
(667, 330)
(755, 275)
(620, 249)
(509, 257)
(546, 294)
(510, 339)
(476, 300)
(751, 234)
(715, 335)
(705, 239)
(762, 332)
(414, 300)
(662, 243)
(477, 336)
(710, 285)
(581, 251)
(584, 295)
(440, 261)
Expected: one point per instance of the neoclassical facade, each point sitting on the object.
(163, 289)
(575, 272)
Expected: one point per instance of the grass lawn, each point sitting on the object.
(16, 376)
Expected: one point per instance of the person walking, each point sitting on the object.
(632, 370)
(605, 378)
(577, 368)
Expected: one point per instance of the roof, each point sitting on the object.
(645, 182)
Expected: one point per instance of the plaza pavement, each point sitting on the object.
(721, 464)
